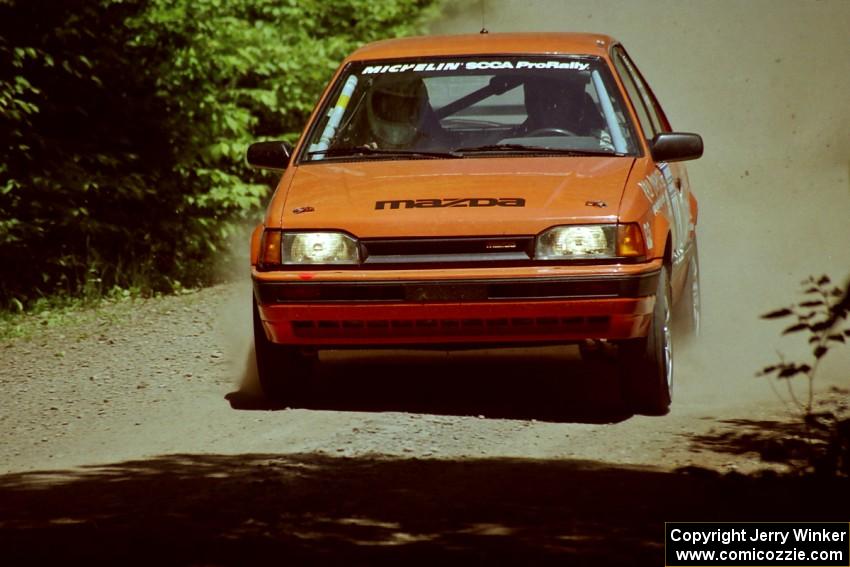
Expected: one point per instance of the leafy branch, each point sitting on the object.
(820, 315)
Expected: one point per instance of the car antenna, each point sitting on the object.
(483, 27)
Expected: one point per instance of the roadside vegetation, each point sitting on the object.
(820, 442)
(125, 124)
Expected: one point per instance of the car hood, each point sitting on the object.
(455, 197)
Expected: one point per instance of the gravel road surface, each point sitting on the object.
(137, 436)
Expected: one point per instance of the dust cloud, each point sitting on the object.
(234, 325)
(238, 337)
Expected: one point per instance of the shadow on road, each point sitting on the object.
(547, 384)
(316, 509)
(818, 443)
(770, 439)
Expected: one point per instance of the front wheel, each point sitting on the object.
(646, 364)
(282, 370)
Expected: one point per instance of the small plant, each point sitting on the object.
(821, 316)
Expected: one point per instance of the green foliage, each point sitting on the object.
(820, 316)
(825, 306)
(59, 311)
(127, 121)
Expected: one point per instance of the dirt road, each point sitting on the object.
(136, 437)
(174, 375)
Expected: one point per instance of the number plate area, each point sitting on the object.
(430, 293)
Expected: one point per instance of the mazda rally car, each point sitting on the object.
(477, 191)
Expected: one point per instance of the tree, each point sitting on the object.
(127, 122)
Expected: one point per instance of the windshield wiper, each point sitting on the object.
(537, 150)
(368, 150)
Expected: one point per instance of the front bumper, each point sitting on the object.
(540, 305)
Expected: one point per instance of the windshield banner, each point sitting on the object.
(474, 66)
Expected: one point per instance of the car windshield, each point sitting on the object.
(461, 107)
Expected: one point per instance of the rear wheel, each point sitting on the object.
(646, 364)
(689, 306)
(282, 370)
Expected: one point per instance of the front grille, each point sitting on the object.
(442, 250)
(377, 328)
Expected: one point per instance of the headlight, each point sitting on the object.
(588, 242)
(319, 248)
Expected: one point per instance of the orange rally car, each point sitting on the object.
(480, 190)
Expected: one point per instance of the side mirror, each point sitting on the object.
(676, 146)
(269, 155)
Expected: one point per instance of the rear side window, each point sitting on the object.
(649, 127)
(656, 112)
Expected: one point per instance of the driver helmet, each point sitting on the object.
(395, 108)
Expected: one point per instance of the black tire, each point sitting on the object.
(646, 364)
(283, 372)
(688, 309)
